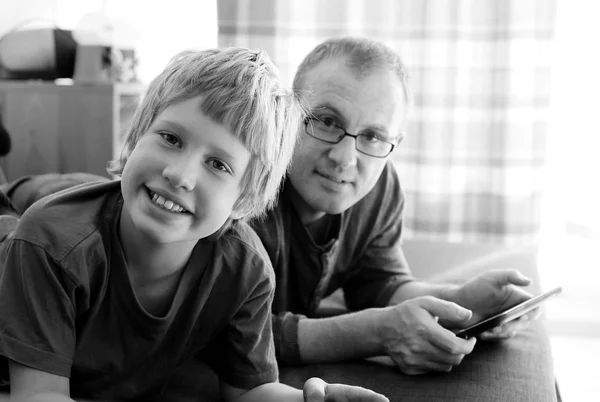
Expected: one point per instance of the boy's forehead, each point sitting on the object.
(199, 106)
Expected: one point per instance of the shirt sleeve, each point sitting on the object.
(285, 333)
(244, 356)
(37, 324)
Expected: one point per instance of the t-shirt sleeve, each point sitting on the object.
(244, 355)
(37, 323)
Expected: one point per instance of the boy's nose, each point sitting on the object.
(344, 153)
(182, 172)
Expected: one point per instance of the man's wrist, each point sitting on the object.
(410, 290)
(341, 338)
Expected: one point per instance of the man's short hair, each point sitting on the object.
(240, 89)
(361, 55)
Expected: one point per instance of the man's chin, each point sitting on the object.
(335, 208)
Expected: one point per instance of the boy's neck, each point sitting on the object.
(151, 260)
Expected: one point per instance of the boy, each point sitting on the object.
(108, 288)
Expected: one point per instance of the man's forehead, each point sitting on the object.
(374, 100)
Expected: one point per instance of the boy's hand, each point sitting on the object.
(317, 390)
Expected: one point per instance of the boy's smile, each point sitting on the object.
(167, 204)
(182, 179)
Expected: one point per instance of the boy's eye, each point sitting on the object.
(170, 138)
(218, 165)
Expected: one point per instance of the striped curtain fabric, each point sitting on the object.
(472, 161)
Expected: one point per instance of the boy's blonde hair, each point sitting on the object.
(240, 89)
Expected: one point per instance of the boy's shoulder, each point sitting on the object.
(60, 221)
(241, 246)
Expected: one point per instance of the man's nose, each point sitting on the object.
(183, 172)
(344, 153)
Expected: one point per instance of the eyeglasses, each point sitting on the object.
(366, 143)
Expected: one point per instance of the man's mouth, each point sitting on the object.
(166, 204)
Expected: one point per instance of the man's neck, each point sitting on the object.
(320, 230)
(306, 213)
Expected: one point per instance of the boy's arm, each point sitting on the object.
(315, 390)
(31, 385)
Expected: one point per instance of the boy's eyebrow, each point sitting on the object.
(175, 124)
(182, 128)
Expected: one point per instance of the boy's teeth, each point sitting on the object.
(166, 204)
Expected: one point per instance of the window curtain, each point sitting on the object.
(472, 161)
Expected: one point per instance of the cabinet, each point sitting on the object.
(64, 128)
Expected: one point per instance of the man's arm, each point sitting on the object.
(409, 333)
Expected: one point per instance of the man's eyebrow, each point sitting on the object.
(376, 127)
(326, 107)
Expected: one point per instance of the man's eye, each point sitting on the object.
(170, 138)
(328, 121)
(370, 136)
(218, 165)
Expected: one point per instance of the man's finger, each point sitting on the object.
(445, 310)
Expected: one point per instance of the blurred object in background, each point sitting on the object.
(5, 142)
(146, 34)
(106, 50)
(37, 53)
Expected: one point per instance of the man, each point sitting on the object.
(338, 224)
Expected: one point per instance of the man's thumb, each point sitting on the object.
(511, 276)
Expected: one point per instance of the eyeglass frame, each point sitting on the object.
(308, 119)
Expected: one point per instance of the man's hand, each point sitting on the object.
(417, 343)
(317, 390)
(492, 292)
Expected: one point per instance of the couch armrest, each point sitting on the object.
(441, 261)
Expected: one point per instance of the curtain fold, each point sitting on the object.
(472, 161)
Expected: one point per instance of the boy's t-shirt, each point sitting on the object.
(67, 305)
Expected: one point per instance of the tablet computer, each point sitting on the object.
(507, 315)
